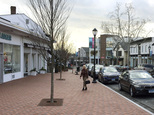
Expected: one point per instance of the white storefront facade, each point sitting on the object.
(142, 51)
(17, 54)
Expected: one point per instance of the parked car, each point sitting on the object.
(108, 74)
(97, 68)
(118, 67)
(148, 67)
(89, 66)
(124, 68)
(136, 82)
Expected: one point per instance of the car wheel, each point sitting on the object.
(132, 94)
(119, 86)
(98, 77)
(103, 80)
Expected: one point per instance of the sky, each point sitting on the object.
(87, 15)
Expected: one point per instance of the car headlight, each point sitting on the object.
(137, 86)
(105, 76)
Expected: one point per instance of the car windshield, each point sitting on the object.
(116, 65)
(110, 69)
(98, 67)
(140, 75)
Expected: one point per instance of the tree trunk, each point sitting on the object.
(52, 76)
(52, 84)
(60, 69)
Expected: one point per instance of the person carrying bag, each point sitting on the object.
(84, 74)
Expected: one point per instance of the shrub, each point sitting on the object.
(33, 70)
(43, 69)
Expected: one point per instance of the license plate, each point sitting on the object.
(151, 91)
(112, 79)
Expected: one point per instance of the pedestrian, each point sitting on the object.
(84, 74)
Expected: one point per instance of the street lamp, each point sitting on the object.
(94, 31)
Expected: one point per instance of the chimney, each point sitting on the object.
(13, 10)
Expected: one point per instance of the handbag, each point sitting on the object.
(87, 82)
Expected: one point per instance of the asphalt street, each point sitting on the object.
(146, 101)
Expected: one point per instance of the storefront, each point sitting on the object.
(32, 58)
(17, 58)
(11, 58)
(18, 55)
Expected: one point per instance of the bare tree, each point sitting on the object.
(51, 15)
(61, 48)
(69, 48)
(125, 24)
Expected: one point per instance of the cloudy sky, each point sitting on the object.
(88, 14)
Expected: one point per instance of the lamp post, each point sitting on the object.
(149, 53)
(94, 31)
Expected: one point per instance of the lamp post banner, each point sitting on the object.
(91, 42)
(150, 53)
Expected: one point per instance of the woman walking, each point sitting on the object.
(84, 74)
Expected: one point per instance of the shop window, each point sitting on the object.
(11, 58)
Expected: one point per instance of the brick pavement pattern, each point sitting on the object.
(21, 97)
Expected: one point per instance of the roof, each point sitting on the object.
(86, 49)
(23, 23)
(149, 39)
(125, 46)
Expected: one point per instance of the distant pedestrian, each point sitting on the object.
(84, 74)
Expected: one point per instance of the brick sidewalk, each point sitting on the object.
(21, 97)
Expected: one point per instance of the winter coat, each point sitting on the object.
(84, 73)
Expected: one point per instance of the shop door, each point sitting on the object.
(25, 64)
(1, 63)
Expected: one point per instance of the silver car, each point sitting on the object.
(97, 69)
(89, 66)
(148, 67)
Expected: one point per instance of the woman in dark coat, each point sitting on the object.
(84, 74)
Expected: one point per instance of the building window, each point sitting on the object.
(145, 48)
(11, 58)
(119, 53)
(109, 53)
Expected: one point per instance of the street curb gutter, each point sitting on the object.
(128, 99)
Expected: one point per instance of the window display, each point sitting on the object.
(11, 58)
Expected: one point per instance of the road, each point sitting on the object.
(146, 101)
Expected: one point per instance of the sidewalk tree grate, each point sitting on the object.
(46, 102)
